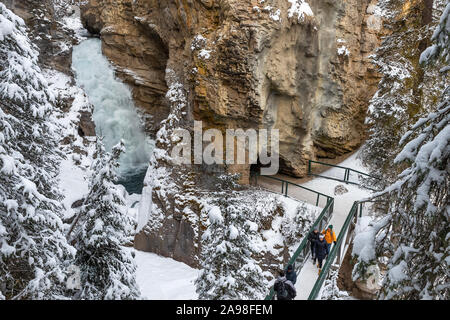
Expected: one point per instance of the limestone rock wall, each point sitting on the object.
(247, 64)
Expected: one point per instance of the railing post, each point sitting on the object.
(317, 201)
(338, 260)
(286, 189)
(309, 166)
(360, 209)
(282, 187)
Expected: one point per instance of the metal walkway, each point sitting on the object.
(298, 192)
(343, 216)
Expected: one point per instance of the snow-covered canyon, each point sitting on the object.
(79, 222)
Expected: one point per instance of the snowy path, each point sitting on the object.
(305, 280)
(342, 205)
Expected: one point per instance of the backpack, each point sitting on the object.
(282, 291)
(291, 291)
(285, 291)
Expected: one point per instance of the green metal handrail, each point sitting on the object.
(332, 255)
(134, 203)
(303, 247)
(285, 185)
(336, 166)
(346, 173)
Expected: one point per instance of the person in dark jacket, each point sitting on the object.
(284, 288)
(321, 251)
(291, 275)
(313, 237)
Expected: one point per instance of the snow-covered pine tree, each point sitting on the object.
(405, 90)
(33, 248)
(419, 268)
(229, 271)
(331, 289)
(293, 228)
(108, 271)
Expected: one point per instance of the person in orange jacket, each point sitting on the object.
(330, 237)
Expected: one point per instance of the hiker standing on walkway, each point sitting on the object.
(313, 237)
(291, 275)
(330, 237)
(321, 251)
(284, 288)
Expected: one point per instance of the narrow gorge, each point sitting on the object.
(302, 69)
(224, 149)
(250, 64)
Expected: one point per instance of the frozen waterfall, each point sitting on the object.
(115, 115)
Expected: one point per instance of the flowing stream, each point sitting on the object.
(115, 114)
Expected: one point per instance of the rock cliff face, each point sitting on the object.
(273, 64)
(250, 64)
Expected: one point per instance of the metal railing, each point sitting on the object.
(347, 172)
(134, 204)
(303, 251)
(313, 197)
(340, 248)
